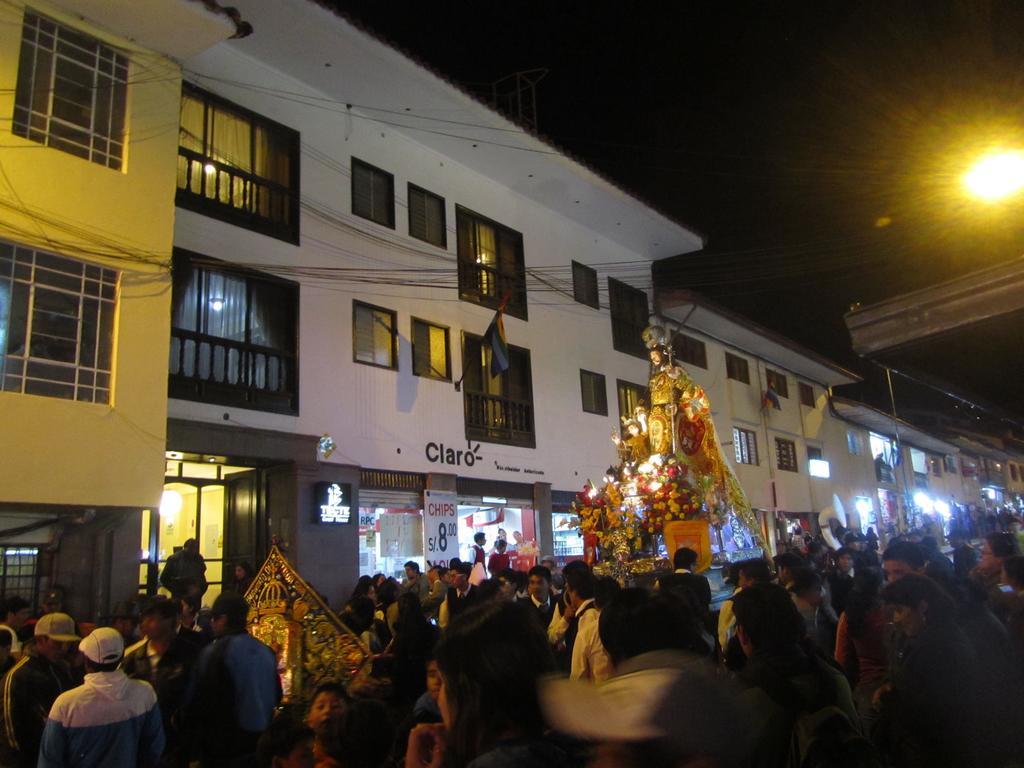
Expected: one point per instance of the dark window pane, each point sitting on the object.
(584, 285)
(49, 389)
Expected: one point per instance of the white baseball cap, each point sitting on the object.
(103, 646)
(57, 626)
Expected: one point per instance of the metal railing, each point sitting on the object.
(492, 418)
(251, 371)
(250, 200)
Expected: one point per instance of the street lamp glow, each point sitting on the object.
(996, 176)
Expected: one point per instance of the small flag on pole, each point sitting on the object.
(770, 400)
(494, 337)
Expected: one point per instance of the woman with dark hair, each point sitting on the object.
(490, 660)
(861, 641)
(243, 575)
(928, 711)
(364, 588)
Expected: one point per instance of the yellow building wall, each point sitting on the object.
(55, 451)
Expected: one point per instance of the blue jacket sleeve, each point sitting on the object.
(152, 740)
(53, 748)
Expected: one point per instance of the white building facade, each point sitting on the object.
(348, 224)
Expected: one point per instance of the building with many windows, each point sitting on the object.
(799, 464)
(348, 223)
(90, 101)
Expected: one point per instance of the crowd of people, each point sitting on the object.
(905, 657)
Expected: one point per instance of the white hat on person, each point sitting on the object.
(103, 646)
(57, 626)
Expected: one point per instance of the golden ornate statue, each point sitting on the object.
(680, 423)
(312, 644)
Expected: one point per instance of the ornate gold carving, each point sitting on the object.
(311, 643)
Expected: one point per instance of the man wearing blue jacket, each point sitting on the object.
(236, 689)
(108, 720)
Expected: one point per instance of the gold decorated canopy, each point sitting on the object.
(312, 645)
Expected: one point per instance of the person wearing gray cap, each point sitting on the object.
(28, 691)
(109, 719)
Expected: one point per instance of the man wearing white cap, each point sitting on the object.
(29, 689)
(109, 720)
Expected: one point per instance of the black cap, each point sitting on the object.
(232, 605)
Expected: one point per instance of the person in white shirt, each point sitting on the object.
(563, 614)
(590, 660)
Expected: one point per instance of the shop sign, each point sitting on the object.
(333, 503)
(440, 527)
(439, 453)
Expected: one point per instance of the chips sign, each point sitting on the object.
(333, 503)
(440, 527)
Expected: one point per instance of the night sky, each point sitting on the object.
(818, 146)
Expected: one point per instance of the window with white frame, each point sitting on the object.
(71, 93)
(56, 325)
(745, 445)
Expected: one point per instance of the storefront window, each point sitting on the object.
(567, 542)
(515, 525)
(388, 539)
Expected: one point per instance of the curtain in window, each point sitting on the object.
(225, 306)
(486, 249)
(187, 289)
(190, 132)
(271, 317)
(230, 143)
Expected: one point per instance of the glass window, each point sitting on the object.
(430, 350)
(236, 166)
(777, 382)
(629, 315)
(374, 336)
(389, 537)
(690, 350)
(785, 453)
(737, 368)
(72, 91)
(584, 285)
(189, 510)
(498, 409)
(806, 394)
(630, 396)
(427, 217)
(19, 572)
(491, 263)
(233, 336)
(56, 325)
(373, 193)
(595, 397)
(853, 443)
(745, 446)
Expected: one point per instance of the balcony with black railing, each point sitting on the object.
(226, 372)
(224, 192)
(496, 419)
